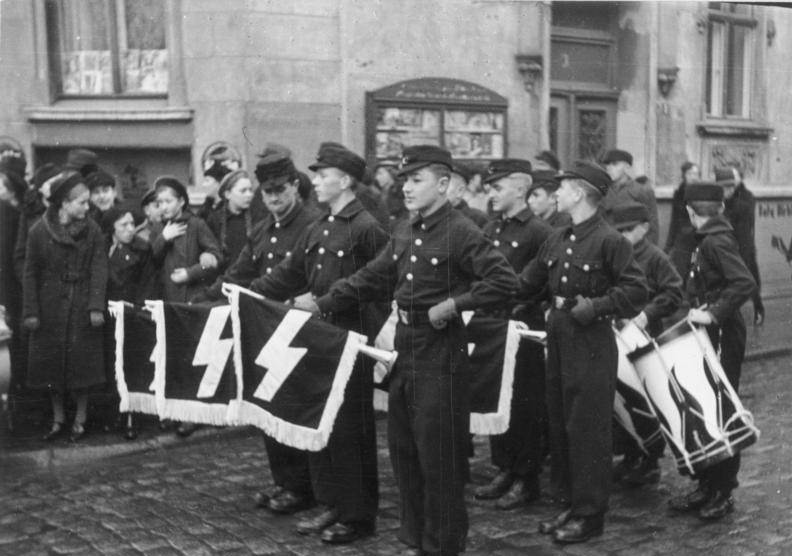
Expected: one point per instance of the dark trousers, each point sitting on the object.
(289, 467)
(428, 424)
(730, 337)
(344, 474)
(580, 386)
(519, 449)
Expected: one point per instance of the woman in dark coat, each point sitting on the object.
(184, 249)
(681, 239)
(65, 281)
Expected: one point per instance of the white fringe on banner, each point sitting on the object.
(116, 309)
(160, 349)
(290, 434)
(498, 423)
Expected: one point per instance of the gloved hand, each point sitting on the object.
(700, 316)
(207, 260)
(759, 311)
(440, 314)
(641, 320)
(97, 318)
(31, 323)
(306, 303)
(583, 311)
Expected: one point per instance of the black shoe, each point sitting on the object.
(720, 505)
(550, 525)
(55, 431)
(522, 492)
(497, 487)
(579, 529)
(262, 498)
(318, 523)
(77, 432)
(691, 501)
(343, 533)
(288, 502)
(647, 472)
(186, 429)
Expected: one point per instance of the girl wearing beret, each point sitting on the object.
(65, 280)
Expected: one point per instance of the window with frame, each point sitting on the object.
(730, 55)
(108, 47)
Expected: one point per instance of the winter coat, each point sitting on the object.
(681, 241)
(10, 286)
(183, 252)
(233, 231)
(740, 211)
(131, 272)
(65, 278)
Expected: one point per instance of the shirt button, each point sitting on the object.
(270, 255)
(423, 227)
(434, 261)
(321, 250)
(564, 279)
(340, 253)
(692, 274)
(269, 270)
(418, 241)
(496, 243)
(413, 258)
(319, 266)
(395, 257)
(273, 240)
(569, 251)
(326, 232)
(497, 231)
(514, 244)
(277, 224)
(409, 276)
(331, 218)
(288, 253)
(586, 267)
(572, 237)
(566, 265)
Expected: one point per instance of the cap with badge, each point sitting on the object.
(498, 169)
(725, 177)
(703, 191)
(275, 166)
(628, 215)
(416, 157)
(617, 155)
(545, 179)
(336, 155)
(592, 173)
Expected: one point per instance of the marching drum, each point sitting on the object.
(631, 408)
(699, 411)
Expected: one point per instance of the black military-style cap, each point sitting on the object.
(174, 183)
(336, 155)
(498, 169)
(419, 156)
(549, 158)
(617, 155)
(724, 176)
(703, 191)
(592, 173)
(275, 166)
(463, 170)
(100, 178)
(82, 160)
(627, 215)
(544, 179)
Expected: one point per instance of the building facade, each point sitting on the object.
(150, 84)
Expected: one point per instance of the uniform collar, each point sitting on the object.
(587, 226)
(347, 213)
(523, 216)
(429, 221)
(715, 225)
(286, 220)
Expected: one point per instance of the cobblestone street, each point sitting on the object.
(197, 499)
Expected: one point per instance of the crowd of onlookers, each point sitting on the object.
(69, 243)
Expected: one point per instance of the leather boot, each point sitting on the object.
(579, 529)
(522, 492)
(497, 487)
(288, 502)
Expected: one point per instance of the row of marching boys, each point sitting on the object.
(435, 263)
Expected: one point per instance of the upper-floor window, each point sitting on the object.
(107, 47)
(730, 55)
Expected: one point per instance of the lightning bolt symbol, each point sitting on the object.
(277, 357)
(212, 351)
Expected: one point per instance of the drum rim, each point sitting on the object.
(673, 333)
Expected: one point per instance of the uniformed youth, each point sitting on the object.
(541, 199)
(435, 266)
(589, 271)
(518, 234)
(271, 241)
(341, 241)
(665, 297)
(717, 285)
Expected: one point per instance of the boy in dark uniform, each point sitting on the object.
(460, 176)
(589, 271)
(665, 296)
(435, 266)
(717, 285)
(518, 234)
(541, 199)
(341, 241)
(271, 241)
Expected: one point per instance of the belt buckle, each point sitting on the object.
(404, 316)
